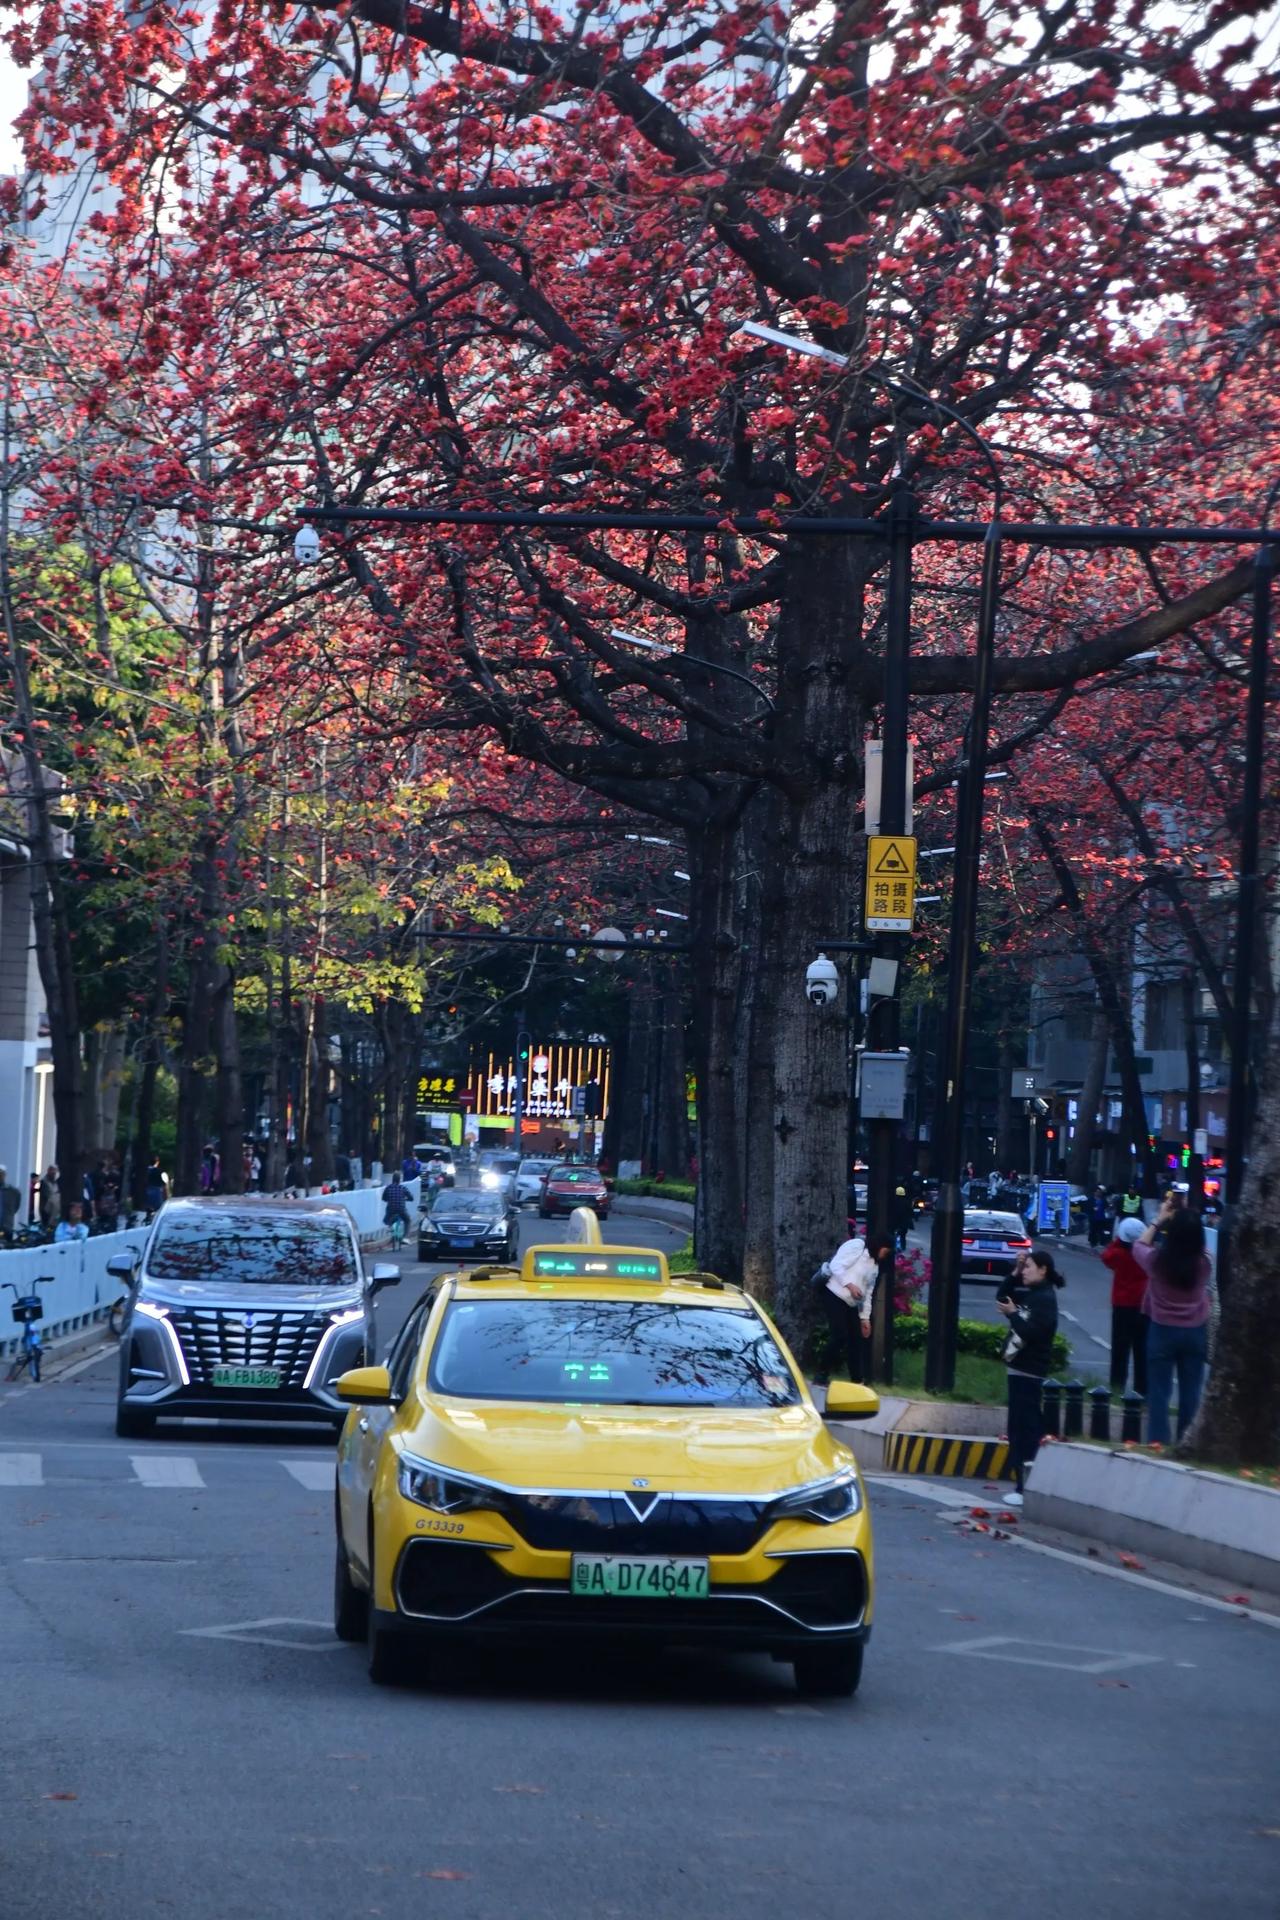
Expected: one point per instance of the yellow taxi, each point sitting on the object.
(590, 1444)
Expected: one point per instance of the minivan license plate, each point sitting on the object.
(642, 1577)
(246, 1376)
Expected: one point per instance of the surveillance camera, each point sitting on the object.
(306, 546)
(821, 982)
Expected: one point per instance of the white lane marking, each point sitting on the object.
(317, 1476)
(944, 1496)
(21, 1470)
(166, 1470)
(246, 1631)
(999, 1646)
(1097, 1339)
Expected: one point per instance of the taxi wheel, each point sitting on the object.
(830, 1673)
(350, 1602)
(387, 1662)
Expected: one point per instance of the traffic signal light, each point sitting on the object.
(1050, 1133)
(524, 1047)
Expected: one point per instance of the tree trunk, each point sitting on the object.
(1239, 1419)
(1079, 1160)
(719, 992)
(93, 1141)
(809, 876)
(150, 1056)
(671, 1099)
(1006, 1146)
(319, 1138)
(228, 1090)
(634, 1092)
(110, 1081)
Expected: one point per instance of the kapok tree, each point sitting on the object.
(529, 242)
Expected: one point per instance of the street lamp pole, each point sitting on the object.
(1238, 1101)
(886, 1134)
(948, 1217)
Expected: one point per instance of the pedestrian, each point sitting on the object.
(1029, 1300)
(1171, 1252)
(155, 1188)
(1099, 1217)
(342, 1169)
(847, 1284)
(1128, 1321)
(10, 1201)
(255, 1171)
(410, 1166)
(50, 1199)
(106, 1197)
(73, 1227)
(1129, 1203)
(903, 1217)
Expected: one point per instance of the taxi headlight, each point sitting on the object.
(428, 1485)
(825, 1501)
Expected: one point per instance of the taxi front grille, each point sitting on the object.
(607, 1523)
(284, 1338)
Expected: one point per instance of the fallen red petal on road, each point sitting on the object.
(444, 1873)
(61, 1796)
(1131, 1560)
(978, 1513)
(1239, 1600)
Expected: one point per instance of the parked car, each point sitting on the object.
(565, 1188)
(991, 1244)
(245, 1309)
(465, 1220)
(530, 1175)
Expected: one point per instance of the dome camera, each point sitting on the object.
(306, 546)
(821, 982)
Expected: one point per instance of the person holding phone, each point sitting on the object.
(1029, 1303)
(1171, 1252)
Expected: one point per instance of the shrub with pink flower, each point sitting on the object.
(912, 1272)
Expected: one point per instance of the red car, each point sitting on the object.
(568, 1187)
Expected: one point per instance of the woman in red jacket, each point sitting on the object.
(1128, 1321)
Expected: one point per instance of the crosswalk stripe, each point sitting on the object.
(21, 1470)
(166, 1470)
(317, 1476)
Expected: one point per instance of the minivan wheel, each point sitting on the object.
(830, 1673)
(132, 1423)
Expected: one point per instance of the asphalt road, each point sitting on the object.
(184, 1736)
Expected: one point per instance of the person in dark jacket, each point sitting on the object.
(903, 1217)
(1030, 1304)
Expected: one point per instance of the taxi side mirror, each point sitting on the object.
(846, 1400)
(364, 1387)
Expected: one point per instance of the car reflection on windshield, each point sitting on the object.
(245, 1251)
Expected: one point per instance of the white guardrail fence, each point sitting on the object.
(82, 1290)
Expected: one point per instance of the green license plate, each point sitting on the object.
(642, 1577)
(246, 1376)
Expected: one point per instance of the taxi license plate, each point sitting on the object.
(643, 1577)
(246, 1376)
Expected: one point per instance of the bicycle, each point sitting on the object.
(27, 1309)
(397, 1224)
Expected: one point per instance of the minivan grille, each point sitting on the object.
(283, 1337)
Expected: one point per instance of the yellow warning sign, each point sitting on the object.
(891, 883)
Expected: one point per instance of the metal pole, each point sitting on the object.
(948, 1218)
(885, 1134)
(1238, 1101)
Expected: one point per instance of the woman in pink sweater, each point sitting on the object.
(1171, 1254)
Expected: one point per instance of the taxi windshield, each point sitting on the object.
(253, 1250)
(637, 1353)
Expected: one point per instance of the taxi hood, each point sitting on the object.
(703, 1450)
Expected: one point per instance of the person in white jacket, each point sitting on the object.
(848, 1293)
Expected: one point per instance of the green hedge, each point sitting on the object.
(972, 1336)
(656, 1189)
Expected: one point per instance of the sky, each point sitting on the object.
(13, 95)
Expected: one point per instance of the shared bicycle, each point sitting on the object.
(28, 1309)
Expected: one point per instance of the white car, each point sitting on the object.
(498, 1171)
(530, 1175)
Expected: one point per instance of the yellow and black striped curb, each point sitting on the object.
(945, 1453)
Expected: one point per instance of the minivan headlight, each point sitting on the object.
(430, 1486)
(825, 1501)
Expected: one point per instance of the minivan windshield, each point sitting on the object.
(252, 1249)
(639, 1353)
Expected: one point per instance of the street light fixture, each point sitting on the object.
(712, 666)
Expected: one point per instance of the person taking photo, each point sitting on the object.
(1029, 1303)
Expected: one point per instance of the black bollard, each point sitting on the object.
(1051, 1402)
(1100, 1413)
(1131, 1418)
(1073, 1410)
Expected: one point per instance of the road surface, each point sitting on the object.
(184, 1737)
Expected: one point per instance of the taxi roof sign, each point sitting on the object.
(566, 1262)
